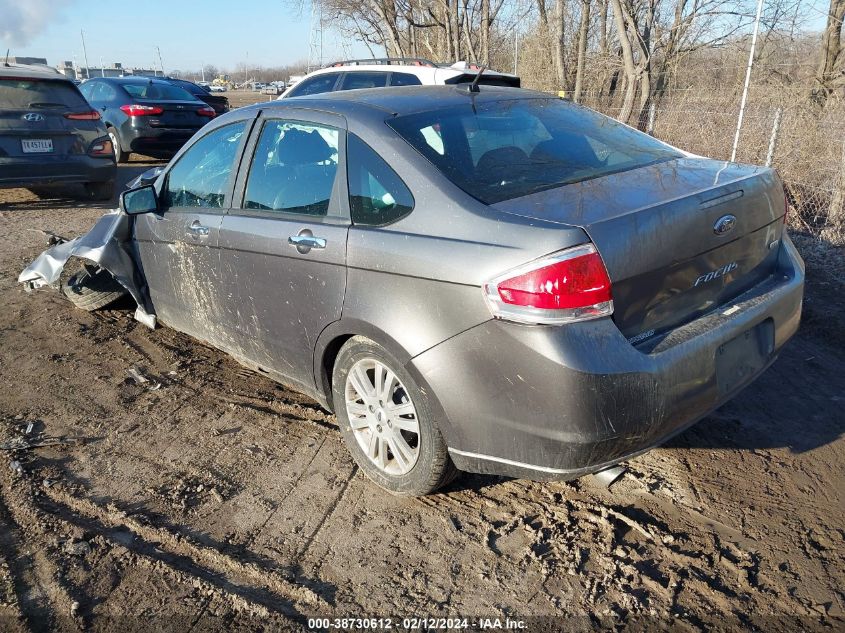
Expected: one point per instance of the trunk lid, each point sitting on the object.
(177, 114)
(678, 238)
(33, 118)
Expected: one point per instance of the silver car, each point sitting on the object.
(479, 279)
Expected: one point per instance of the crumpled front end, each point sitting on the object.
(108, 244)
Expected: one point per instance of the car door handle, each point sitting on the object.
(197, 230)
(307, 241)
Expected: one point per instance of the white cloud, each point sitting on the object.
(22, 20)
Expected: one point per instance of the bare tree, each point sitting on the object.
(830, 73)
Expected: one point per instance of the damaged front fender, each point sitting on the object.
(109, 245)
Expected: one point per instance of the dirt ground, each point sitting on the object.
(208, 498)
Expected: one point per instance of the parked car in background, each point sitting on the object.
(270, 89)
(497, 281)
(145, 115)
(203, 93)
(394, 71)
(50, 135)
(217, 88)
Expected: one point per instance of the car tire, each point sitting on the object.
(421, 463)
(92, 288)
(120, 156)
(102, 191)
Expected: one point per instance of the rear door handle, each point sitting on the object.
(307, 241)
(197, 230)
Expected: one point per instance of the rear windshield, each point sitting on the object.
(163, 92)
(39, 94)
(507, 149)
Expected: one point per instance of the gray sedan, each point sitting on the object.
(489, 280)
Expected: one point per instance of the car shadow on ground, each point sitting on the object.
(73, 196)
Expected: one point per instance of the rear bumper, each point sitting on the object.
(559, 402)
(48, 170)
(154, 140)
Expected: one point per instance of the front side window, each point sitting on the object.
(499, 150)
(315, 85)
(356, 81)
(200, 178)
(377, 195)
(293, 168)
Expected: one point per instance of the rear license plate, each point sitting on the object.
(741, 358)
(37, 145)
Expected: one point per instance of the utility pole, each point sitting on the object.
(102, 68)
(202, 70)
(246, 69)
(85, 55)
(160, 63)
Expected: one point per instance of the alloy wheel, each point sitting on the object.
(382, 417)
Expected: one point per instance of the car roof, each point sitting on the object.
(402, 100)
(31, 71)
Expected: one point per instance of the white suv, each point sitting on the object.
(393, 71)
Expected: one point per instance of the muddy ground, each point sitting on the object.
(208, 498)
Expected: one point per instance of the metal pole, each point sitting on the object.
(160, 63)
(773, 141)
(85, 55)
(650, 128)
(102, 68)
(515, 51)
(747, 79)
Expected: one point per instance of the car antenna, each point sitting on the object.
(473, 87)
(6, 63)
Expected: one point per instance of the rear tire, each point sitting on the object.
(120, 156)
(92, 288)
(102, 191)
(395, 418)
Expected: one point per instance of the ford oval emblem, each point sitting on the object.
(32, 117)
(725, 224)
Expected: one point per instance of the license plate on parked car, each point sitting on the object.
(37, 145)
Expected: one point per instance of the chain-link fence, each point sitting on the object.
(806, 145)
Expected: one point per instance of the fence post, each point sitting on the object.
(650, 126)
(773, 140)
(835, 225)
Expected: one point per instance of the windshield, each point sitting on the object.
(33, 93)
(507, 149)
(160, 91)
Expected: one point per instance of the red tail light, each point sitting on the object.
(93, 115)
(209, 112)
(571, 285)
(135, 109)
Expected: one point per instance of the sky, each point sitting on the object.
(190, 33)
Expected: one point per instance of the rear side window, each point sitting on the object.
(165, 92)
(200, 177)
(404, 79)
(34, 94)
(293, 168)
(377, 195)
(314, 85)
(356, 81)
(499, 150)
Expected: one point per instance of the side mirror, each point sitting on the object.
(140, 200)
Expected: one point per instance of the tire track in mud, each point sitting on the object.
(43, 601)
(258, 586)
